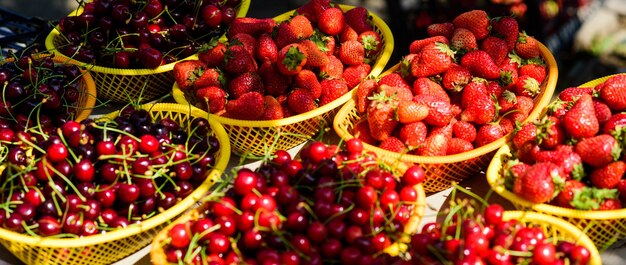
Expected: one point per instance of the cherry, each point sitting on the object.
(218, 243)
(14, 223)
(180, 235)
(544, 253)
(493, 214)
(150, 57)
(84, 171)
(580, 255)
(166, 201)
(366, 197)
(251, 239)
(72, 223)
(106, 196)
(212, 16)
(245, 182)
(128, 192)
(228, 14)
(48, 226)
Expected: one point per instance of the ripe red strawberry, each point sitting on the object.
(245, 40)
(535, 69)
(332, 89)
(348, 34)
(394, 80)
(210, 77)
(550, 132)
(315, 57)
(291, 59)
(475, 89)
(507, 28)
(573, 93)
(245, 83)
(434, 145)
(313, 9)
(307, 80)
(364, 90)
(566, 197)
(527, 133)
(333, 70)
(487, 134)
(266, 48)
(508, 75)
(273, 109)
(372, 42)
(355, 73)
(496, 48)
(275, 82)
(440, 29)
(458, 145)
(526, 46)
(392, 144)
(526, 86)
(456, 78)
(249, 106)
(464, 130)
(239, 61)
(610, 127)
(293, 30)
(463, 40)
(439, 110)
(598, 150)
(212, 53)
(187, 72)
(352, 53)
(410, 111)
(494, 89)
(211, 98)
(570, 162)
(400, 93)
(580, 121)
(524, 106)
(614, 92)
(537, 184)
(358, 18)
(414, 134)
(426, 86)
(610, 204)
(331, 21)
(301, 101)
(417, 45)
(608, 176)
(476, 21)
(506, 101)
(361, 131)
(252, 26)
(480, 64)
(381, 115)
(480, 111)
(603, 112)
(433, 59)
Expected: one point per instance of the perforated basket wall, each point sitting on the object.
(126, 85)
(441, 171)
(258, 137)
(115, 245)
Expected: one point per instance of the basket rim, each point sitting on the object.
(244, 6)
(161, 218)
(550, 85)
(377, 68)
(570, 230)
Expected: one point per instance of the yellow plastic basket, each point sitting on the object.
(603, 227)
(252, 136)
(126, 85)
(113, 246)
(558, 229)
(442, 171)
(86, 88)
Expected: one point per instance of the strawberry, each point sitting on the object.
(313, 9)
(413, 134)
(480, 111)
(301, 101)
(372, 42)
(487, 134)
(464, 130)
(446, 130)
(426, 86)
(608, 176)
(573, 93)
(526, 133)
(566, 197)
(315, 57)
(273, 109)
(307, 80)
(210, 77)
(535, 69)
(275, 82)
(381, 115)
(187, 72)
(598, 150)
(456, 78)
(410, 111)
(266, 48)
(614, 92)
(245, 40)
(513, 170)
(603, 111)
(439, 110)
(364, 90)
(400, 93)
(392, 144)
(245, 83)
(614, 123)
(523, 106)
(434, 145)
(417, 45)
(507, 28)
(537, 182)
(463, 40)
(580, 121)
(569, 161)
(508, 75)
(239, 61)
(526, 86)
(458, 145)
(610, 204)
(526, 46)
(348, 34)
(249, 106)
(355, 73)
(212, 53)
(252, 26)
(332, 89)
(476, 21)
(475, 89)
(433, 59)
(211, 98)
(291, 59)
(293, 30)
(333, 70)
(550, 132)
(441, 29)
(494, 89)
(352, 53)
(394, 80)
(506, 102)
(480, 64)
(496, 48)
(331, 21)
(361, 131)
(358, 19)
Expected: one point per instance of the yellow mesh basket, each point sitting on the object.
(86, 88)
(252, 136)
(603, 227)
(126, 85)
(442, 171)
(115, 245)
(558, 229)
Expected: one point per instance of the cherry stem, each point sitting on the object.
(31, 144)
(60, 134)
(97, 126)
(28, 230)
(68, 182)
(339, 214)
(196, 237)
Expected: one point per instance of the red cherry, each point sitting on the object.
(580, 255)
(281, 157)
(366, 197)
(56, 152)
(200, 226)
(493, 214)
(180, 235)
(148, 144)
(354, 146)
(106, 148)
(317, 152)
(84, 171)
(413, 175)
(544, 254)
(218, 243)
(245, 182)
(128, 192)
(212, 16)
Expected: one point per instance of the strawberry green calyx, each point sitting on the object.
(209, 45)
(531, 85)
(521, 38)
(578, 172)
(444, 48)
(195, 74)
(320, 40)
(294, 58)
(405, 67)
(369, 43)
(536, 60)
(506, 78)
(515, 58)
(590, 198)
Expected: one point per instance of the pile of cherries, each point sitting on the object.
(329, 206)
(34, 86)
(142, 34)
(90, 177)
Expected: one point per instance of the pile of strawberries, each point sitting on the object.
(463, 87)
(573, 156)
(271, 70)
